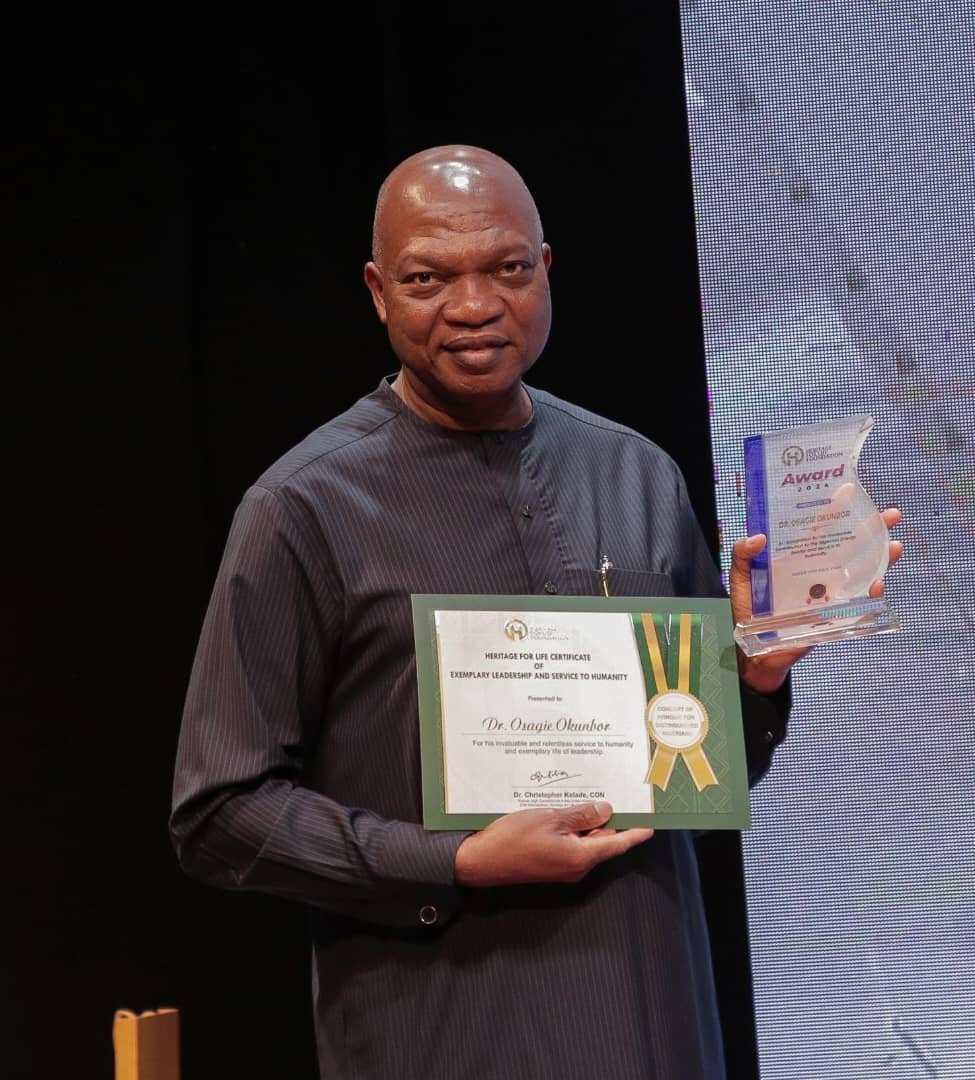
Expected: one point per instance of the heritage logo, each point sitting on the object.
(796, 455)
(519, 630)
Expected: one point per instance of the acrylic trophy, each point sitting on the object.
(827, 542)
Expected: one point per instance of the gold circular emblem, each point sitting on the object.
(677, 720)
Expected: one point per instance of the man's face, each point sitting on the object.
(463, 291)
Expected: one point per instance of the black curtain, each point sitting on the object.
(188, 211)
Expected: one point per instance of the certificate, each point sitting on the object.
(529, 701)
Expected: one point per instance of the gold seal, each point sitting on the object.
(676, 720)
(678, 723)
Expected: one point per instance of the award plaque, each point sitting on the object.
(826, 540)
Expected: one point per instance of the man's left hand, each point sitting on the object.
(767, 673)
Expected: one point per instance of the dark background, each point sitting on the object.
(186, 218)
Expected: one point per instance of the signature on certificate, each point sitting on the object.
(552, 776)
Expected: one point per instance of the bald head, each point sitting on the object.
(456, 178)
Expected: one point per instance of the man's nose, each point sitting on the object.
(473, 301)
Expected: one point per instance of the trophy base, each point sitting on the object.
(799, 629)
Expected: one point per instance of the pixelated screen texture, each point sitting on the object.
(833, 159)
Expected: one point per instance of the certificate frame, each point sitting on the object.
(680, 804)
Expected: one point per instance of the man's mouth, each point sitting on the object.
(476, 350)
(474, 343)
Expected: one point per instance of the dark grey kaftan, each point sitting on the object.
(298, 770)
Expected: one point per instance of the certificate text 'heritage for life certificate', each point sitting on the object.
(531, 702)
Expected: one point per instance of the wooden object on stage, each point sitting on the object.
(146, 1044)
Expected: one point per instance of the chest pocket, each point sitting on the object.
(621, 583)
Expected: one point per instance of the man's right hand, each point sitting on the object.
(531, 846)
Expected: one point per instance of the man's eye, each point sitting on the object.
(512, 269)
(421, 277)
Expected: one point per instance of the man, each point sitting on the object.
(545, 945)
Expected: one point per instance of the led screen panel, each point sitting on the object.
(833, 157)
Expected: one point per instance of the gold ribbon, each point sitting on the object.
(665, 755)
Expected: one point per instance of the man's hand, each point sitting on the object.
(531, 846)
(767, 673)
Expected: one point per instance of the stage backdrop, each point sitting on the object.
(188, 212)
(834, 180)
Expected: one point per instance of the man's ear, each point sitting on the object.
(374, 283)
(546, 256)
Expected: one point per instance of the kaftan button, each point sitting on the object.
(429, 915)
(551, 587)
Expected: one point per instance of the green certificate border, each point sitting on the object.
(681, 805)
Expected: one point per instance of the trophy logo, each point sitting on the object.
(792, 455)
(515, 630)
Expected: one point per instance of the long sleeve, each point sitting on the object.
(254, 711)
